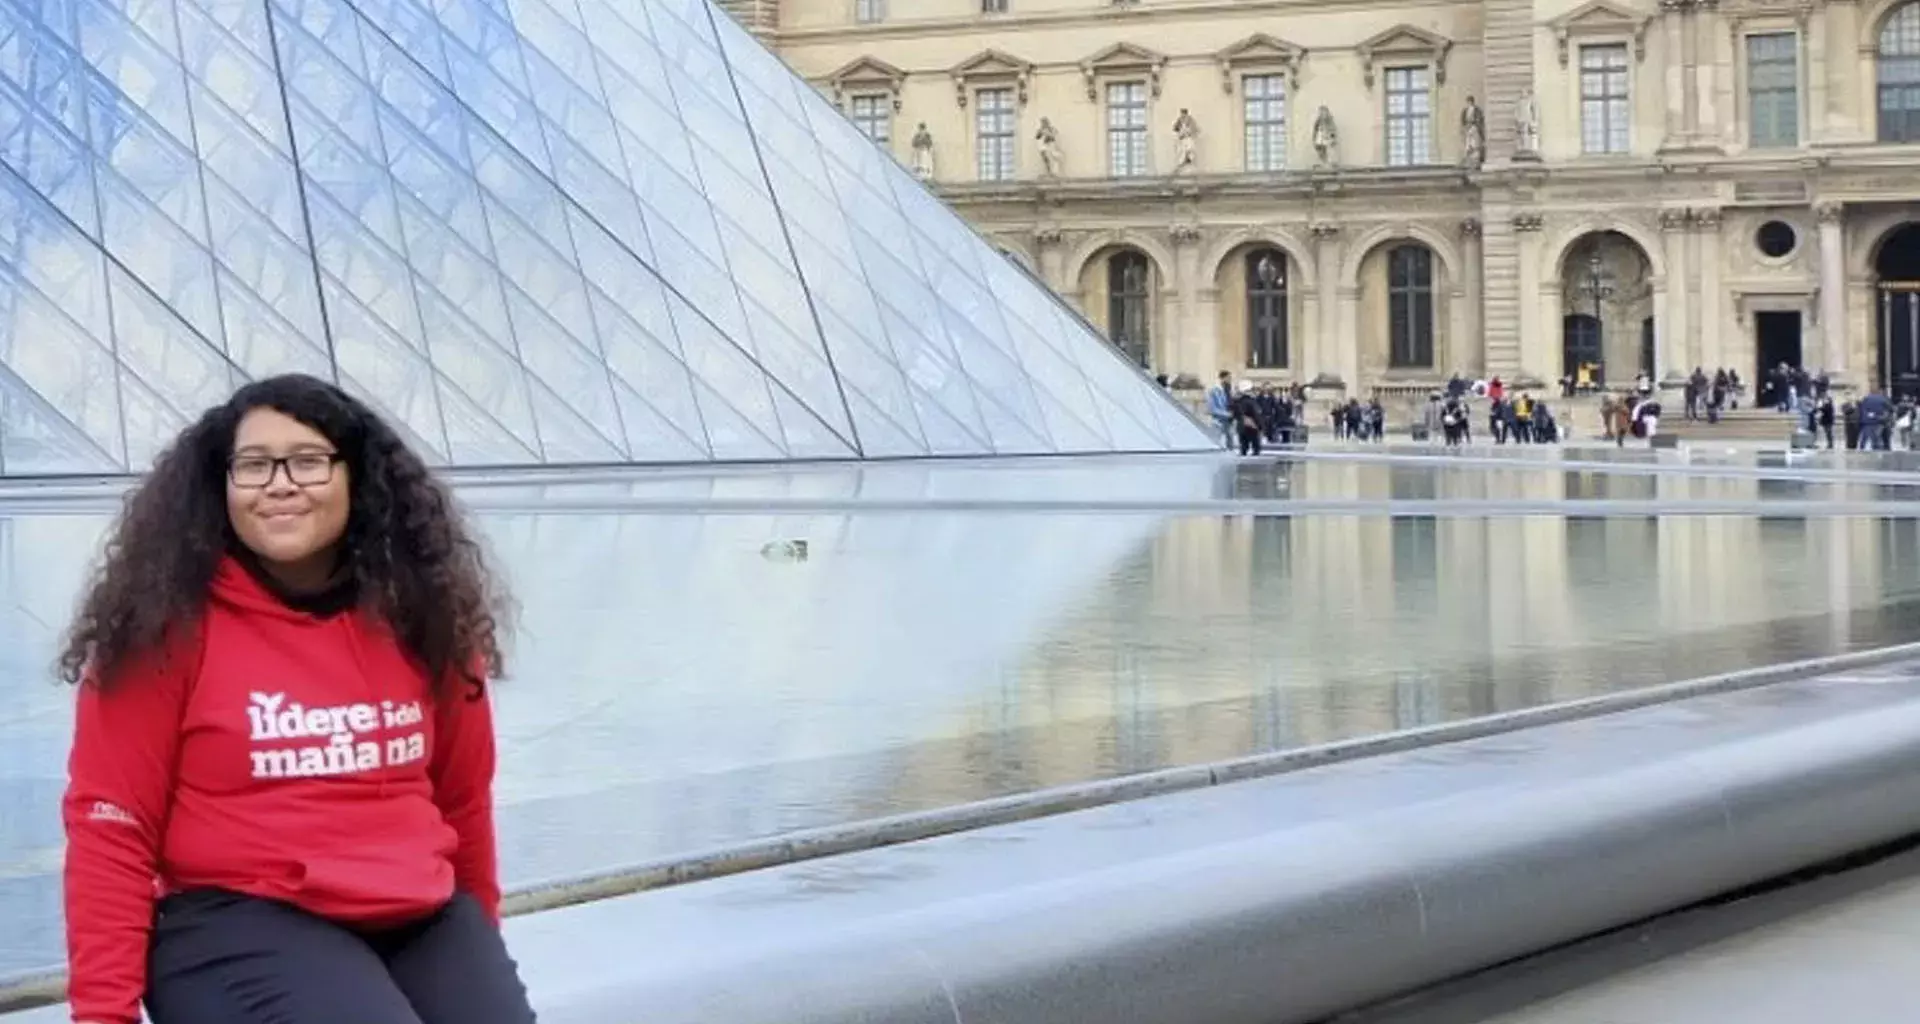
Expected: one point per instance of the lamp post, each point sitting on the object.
(1599, 289)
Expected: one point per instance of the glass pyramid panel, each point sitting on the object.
(528, 231)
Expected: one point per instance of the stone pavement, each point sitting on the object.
(1845, 948)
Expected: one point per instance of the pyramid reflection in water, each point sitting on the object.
(531, 231)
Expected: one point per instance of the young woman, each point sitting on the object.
(280, 808)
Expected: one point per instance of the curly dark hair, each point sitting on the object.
(415, 564)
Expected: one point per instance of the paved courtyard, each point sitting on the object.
(1839, 949)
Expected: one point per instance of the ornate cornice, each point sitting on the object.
(1123, 59)
(1405, 41)
(1599, 18)
(990, 67)
(1261, 50)
(866, 74)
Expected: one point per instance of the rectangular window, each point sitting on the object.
(993, 6)
(1410, 307)
(1606, 112)
(868, 11)
(1266, 114)
(1409, 117)
(873, 115)
(1773, 89)
(993, 129)
(1127, 129)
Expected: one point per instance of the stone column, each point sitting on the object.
(1467, 349)
(1208, 345)
(1348, 354)
(1713, 300)
(1553, 306)
(1535, 352)
(1499, 285)
(1846, 66)
(1814, 79)
(1187, 344)
(1053, 259)
(1678, 56)
(1833, 288)
(1326, 348)
(1712, 71)
(1863, 331)
(1674, 333)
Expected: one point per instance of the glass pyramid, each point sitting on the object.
(530, 231)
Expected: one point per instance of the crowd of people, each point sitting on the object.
(1251, 416)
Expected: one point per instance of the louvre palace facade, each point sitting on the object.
(1382, 195)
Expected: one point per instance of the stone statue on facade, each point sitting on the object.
(1526, 125)
(1473, 135)
(1326, 138)
(1186, 138)
(923, 153)
(1051, 158)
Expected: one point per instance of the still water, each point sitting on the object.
(677, 685)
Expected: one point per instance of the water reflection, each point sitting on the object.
(1433, 479)
(678, 689)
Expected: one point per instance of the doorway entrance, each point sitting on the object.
(1776, 340)
(1898, 267)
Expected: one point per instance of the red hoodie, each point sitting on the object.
(282, 755)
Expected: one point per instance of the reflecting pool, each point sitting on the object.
(683, 681)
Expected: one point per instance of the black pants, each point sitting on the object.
(222, 958)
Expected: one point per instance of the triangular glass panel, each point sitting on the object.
(395, 378)
(807, 437)
(945, 434)
(566, 437)
(259, 342)
(163, 352)
(35, 440)
(151, 422)
(554, 357)
(650, 436)
(432, 452)
(729, 433)
(643, 365)
(474, 436)
(880, 436)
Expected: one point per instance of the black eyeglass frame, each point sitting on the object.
(275, 465)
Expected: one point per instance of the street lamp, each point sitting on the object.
(1599, 289)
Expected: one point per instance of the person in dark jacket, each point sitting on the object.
(1823, 416)
(1246, 420)
(1876, 419)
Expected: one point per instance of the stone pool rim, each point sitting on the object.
(44, 988)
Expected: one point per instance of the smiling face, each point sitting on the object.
(287, 496)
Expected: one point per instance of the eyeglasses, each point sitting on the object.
(304, 469)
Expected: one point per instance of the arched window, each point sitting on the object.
(1899, 75)
(1410, 307)
(1267, 309)
(1130, 304)
(1897, 266)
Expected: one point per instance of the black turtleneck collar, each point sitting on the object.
(339, 594)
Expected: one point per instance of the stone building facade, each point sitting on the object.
(1380, 195)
